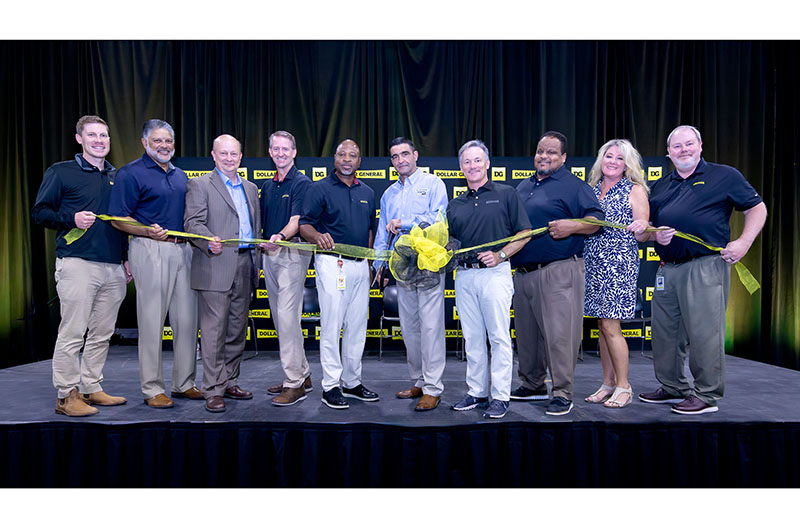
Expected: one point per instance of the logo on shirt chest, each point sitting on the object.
(422, 192)
(487, 202)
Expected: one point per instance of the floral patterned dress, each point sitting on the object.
(612, 258)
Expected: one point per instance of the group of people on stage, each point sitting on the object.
(573, 269)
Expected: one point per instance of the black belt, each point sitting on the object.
(472, 265)
(175, 240)
(533, 267)
(245, 249)
(345, 257)
(685, 260)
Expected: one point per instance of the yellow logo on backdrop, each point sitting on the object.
(626, 332)
(376, 332)
(641, 254)
(309, 314)
(458, 191)
(261, 294)
(260, 314)
(449, 294)
(580, 172)
(651, 254)
(264, 333)
(512, 313)
(166, 334)
(513, 333)
(648, 293)
(375, 174)
(375, 294)
(318, 173)
(455, 313)
(452, 333)
(264, 174)
(653, 173)
(498, 174)
(311, 273)
(522, 174)
(444, 174)
(397, 333)
(195, 174)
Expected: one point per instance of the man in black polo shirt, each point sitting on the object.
(285, 268)
(90, 275)
(488, 211)
(691, 290)
(339, 209)
(549, 283)
(151, 191)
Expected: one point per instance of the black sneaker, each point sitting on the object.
(659, 396)
(559, 406)
(362, 393)
(468, 403)
(334, 399)
(525, 394)
(497, 409)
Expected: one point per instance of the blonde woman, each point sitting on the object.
(612, 262)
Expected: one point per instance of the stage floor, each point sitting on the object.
(755, 393)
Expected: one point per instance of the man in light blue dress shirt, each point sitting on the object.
(416, 197)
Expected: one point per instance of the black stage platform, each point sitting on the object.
(754, 440)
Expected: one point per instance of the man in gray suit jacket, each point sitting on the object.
(222, 205)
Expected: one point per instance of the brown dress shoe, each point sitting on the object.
(215, 404)
(413, 392)
(427, 403)
(74, 406)
(277, 389)
(159, 401)
(289, 397)
(193, 394)
(101, 398)
(237, 393)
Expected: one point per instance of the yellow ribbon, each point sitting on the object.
(429, 243)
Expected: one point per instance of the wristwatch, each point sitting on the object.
(503, 255)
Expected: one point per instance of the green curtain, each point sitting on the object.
(741, 95)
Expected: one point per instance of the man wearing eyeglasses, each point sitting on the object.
(151, 191)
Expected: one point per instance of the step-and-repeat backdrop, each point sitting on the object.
(379, 174)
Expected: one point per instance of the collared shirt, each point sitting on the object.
(561, 195)
(417, 200)
(700, 205)
(346, 213)
(149, 195)
(72, 186)
(236, 190)
(491, 212)
(282, 200)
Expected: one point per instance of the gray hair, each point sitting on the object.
(473, 143)
(679, 127)
(283, 134)
(154, 124)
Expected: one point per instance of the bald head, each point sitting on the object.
(227, 154)
(347, 159)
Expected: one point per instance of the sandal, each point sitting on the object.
(619, 392)
(600, 395)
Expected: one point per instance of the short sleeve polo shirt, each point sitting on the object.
(282, 200)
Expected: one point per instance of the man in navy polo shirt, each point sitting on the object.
(151, 191)
(285, 268)
(339, 209)
(90, 275)
(549, 283)
(488, 211)
(691, 289)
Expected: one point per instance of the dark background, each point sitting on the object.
(741, 95)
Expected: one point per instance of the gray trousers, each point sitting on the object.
(162, 271)
(90, 294)
(691, 308)
(284, 276)
(422, 323)
(223, 326)
(548, 318)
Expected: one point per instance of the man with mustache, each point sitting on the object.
(90, 274)
(339, 209)
(416, 197)
(152, 191)
(691, 289)
(222, 205)
(285, 268)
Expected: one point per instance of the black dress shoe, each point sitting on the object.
(334, 399)
(215, 404)
(362, 393)
(237, 393)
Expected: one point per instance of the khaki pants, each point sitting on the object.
(90, 294)
(162, 272)
(285, 276)
(548, 318)
(691, 308)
